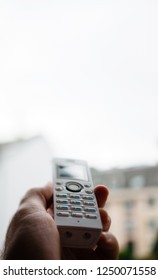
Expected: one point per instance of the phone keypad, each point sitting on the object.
(76, 205)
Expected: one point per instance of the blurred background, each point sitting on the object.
(78, 79)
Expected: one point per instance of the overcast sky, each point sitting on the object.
(85, 75)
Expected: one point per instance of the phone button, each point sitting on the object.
(59, 188)
(77, 202)
(77, 215)
(63, 214)
(91, 216)
(62, 201)
(89, 191)
(87, 185)
(88, 197)
(76, 208)
(62, 207)
(90, 209)
(58, 182)
(75, 196)
(63, 195)
(89, 203)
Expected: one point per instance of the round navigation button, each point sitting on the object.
(74, 187)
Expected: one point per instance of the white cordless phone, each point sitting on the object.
(75, 207)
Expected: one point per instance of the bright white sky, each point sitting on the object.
(85, 75)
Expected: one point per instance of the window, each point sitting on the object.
(137, 182)
(151, 201)
(153, 225)
(129, 225)
(129, 204)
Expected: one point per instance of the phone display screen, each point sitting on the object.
(72, 171)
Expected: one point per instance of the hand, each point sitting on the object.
(32, 233)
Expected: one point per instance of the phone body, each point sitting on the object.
(76, 212)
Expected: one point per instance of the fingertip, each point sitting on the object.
(102, 189)
(101, 193)
(47, 191)
(48, 185)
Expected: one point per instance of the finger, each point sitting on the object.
(40, 197)
(101, 193)
(108, 247)
(47, 193)
(50, 210)
(105, 218)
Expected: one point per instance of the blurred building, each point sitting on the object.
(132, 205)
(23, 164)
